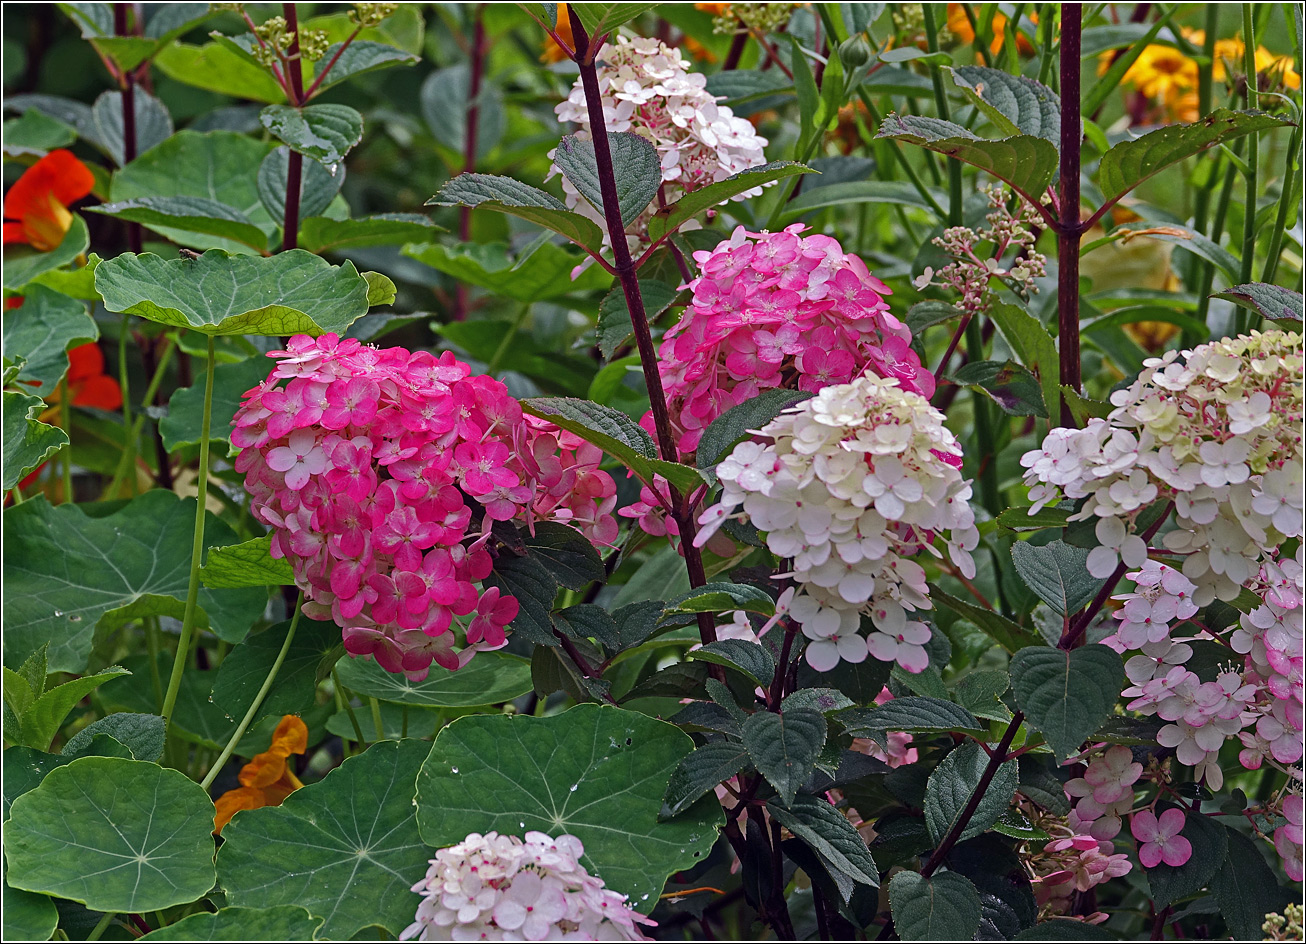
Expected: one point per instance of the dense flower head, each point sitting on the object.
(1218, 431)
(851, 485)
(502, 888)
(647, 89)
(1104, 793)
(381, 474)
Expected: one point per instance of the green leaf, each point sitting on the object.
(1025, 162)
(828, 833)
(445, 101)
(380, 289)
(351, 840)
(505, 195)
(1244, 886)
(359, 56)
(153, 123)
(943, 907)
(565, 553)
(1058, 573)
(745, 85)
(1033, 345)
(28, 916)
(278, 923)
(41, 722)
(1066, 695)
(913, 713)
(116, 835)
(979, 692)
(142, 734)
(214, 166)
(249, 564)
(1084, 408)
(896, 192)
(215, 67)
(293, 292)
(184, 424)
(318, 184)
(635, 164)
(720, 597)
(68, 573)
(1065, 929)
(600, 18)
(36, 133)
(739, 422)
(27, 441)
(679, 680)
(784, 747)
(596, 772)
(671, 218)
(1010, 386)
(588, 621)
(24, 769)
(825, 700)
(321, 234)
(1210, 842)
(1272, 302)
(614, 327)
(528, 277)
(325, 133)
(308, 661)
(491, 678)
(191, 214)
(952, 785)
(526, 579)
(22, 268)
(701, 770)
(1019, 519)
(1130, 163)
(741, 655)
(1014, 103)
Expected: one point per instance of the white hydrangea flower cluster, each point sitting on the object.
(647, 89)
(1218, 431)
(853, 483)
(501, 888)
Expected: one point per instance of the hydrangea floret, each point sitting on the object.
(647, 89)
(381, 474)
(852, 484)
(503, 888)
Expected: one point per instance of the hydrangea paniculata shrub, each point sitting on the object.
(501, 888)
(852, 484)
(381, 474)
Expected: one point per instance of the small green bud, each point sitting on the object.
(855, 52)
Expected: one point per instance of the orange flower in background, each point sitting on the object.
(1159, 72)
(36, 207)
(88, 384)
(960, 27)
(266, 780)
(552, 51)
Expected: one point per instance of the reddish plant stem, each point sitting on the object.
(586, 51)
(736, 52)
(127, 81)
(477, 64)
(312, 89)
(1069, 228)
(295, 162)
(776, 692)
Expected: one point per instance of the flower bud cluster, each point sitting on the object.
(853, 483)
(381, 473)
(501, 888)
(647, 89)
(1219, 433)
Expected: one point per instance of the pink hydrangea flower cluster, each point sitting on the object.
(381, 472)
(852, 484)
(1075, 863)
(1104, 794)
(1288, 837)
(501, 888)
(647, 89)
(1218, 433)
(1158, 838)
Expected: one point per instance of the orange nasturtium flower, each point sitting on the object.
(552, 51)
(88, 384)
(266, 780)
(36, 207)
(959, 26)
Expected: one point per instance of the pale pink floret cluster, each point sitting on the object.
(1158, 838)
(381, 473)
(1076, 864)
(1104, 794)
(849, 486)
(1288, 837)
(501, 888)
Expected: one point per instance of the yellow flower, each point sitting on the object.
(1162, 72)
(266, 780)
(1229, 53)
(959, 26)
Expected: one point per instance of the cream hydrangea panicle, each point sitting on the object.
(503, 888)
(647, 89)
(852, 484)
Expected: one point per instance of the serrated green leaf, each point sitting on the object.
(293, 292)
(720, 597)
(41, 721)
(1033, 346)
(1245, 887)
(1066, 695)
(526, 579)
(1058, 573)
(825, 700)
(700, 771)
(1272, 302)
(153, 123)
(784, 747)
(142, 734)
(1014, 103)
(636, 168)
(943, 907)
(735, 424)
(614, 326)
(600, 18)
(952, 785)
(914, 713)
(596, 772)
(670, 218)
(1013, 388)
(828, 833)
(325, 133)
(565, 553)
(741, 655)
(515, 198)
(358, 57)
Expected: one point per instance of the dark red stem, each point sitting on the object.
(1069, 228)
(477, 61)
(295, 163)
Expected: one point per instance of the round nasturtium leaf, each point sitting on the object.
(281, 923)
(490, 678)
(596, 772)
(115, 834)
(27, 915)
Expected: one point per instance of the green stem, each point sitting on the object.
(1046, 30)
(941, 103)
(1287, 199)
(507, 339)
(901, 159)
(1253, 156)
(100, 926)
(127, 459)
(376, 718)
(66, 420)
(258, 700)
(125, 383)
(347, 697)
(197, 549)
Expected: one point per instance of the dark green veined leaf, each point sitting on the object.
(142, 734)
(1066, 695)
(825, 700)
(359, 57)
(445, 101)
(720, 597)
(1245, 887)
(506, 195)
(325, 133)
(278, 923)
(636, 168)
(700, 771)
(1032, 345)
(191, 214)
(308, 661)
(318, 185)
(1272, 302)
(1058, 573)
(153, 123)
(943, 907)
(1014, 103)
(828, 833)
(28, 915)
(671, 218)
(741, 655)
(952, 785)
(600, 18)
(614, 326)
(526, 579)
(735, 424)
(565, 553)
(929, 313)
(915, 713)
(784, 747)
(744, 85)
(1009, 385)
(489, 679)
(293, 292)
(320, 234)
(27, 441)
(596, 772)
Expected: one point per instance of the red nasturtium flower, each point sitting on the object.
(36, 207)
(266, 780)
(88, 384)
